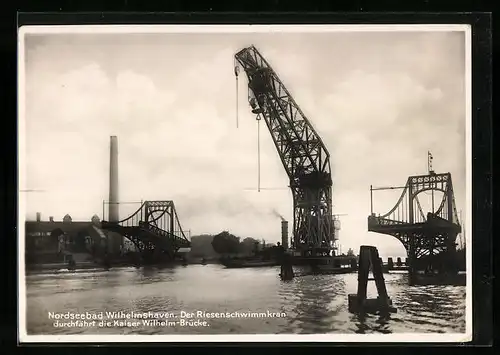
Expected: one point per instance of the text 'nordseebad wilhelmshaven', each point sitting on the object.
(160, 315)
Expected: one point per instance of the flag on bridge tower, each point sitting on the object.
(429, 160)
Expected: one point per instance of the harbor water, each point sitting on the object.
(309, 305)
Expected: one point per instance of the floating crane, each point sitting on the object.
(302, 152)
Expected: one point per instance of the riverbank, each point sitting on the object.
(63, 267)
(85, 266)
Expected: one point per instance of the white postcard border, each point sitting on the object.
(108, 29)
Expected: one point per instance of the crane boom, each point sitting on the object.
(301, 150)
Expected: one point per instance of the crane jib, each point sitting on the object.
(301, 150)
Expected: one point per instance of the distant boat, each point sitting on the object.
(331, 269)
(246, 263)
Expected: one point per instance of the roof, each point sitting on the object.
(68, 227)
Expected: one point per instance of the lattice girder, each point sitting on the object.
(422, 235)
(154, 228)
(302, 152)
(408, 210)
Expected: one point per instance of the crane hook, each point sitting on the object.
(236, 72)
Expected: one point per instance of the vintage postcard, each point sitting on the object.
(245, 183)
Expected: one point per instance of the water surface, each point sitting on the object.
(312, 304)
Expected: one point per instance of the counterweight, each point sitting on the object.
(302, 152)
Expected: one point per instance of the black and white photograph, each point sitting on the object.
(245, 183)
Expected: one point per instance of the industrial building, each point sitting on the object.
(50, 241)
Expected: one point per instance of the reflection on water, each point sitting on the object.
(312, 304)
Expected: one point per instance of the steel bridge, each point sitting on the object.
(154, 229)
(429, 239)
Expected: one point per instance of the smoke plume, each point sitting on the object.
(278, 215)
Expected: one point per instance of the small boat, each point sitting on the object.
(331, 270)
(325, 265)
(245, 263)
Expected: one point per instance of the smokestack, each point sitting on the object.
(113, 213)
(51, 219)
(38, 216)
(284, 234)
(114, 240)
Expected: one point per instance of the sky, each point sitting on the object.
(379, 100)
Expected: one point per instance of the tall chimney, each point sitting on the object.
(113, 213)
(284, 234)
(38, 216)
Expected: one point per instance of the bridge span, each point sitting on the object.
(429, 238)
(154, 229)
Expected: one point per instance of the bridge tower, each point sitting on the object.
(429, 239)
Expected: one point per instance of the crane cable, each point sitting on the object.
(236, 72)
(258, 155)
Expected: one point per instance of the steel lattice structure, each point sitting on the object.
(154, 229)
(423, 235)
(302, 152)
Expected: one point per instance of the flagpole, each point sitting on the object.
(429, 163)
(432, 190)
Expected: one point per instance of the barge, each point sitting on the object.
(246, 263)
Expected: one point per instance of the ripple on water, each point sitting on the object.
(313, 304)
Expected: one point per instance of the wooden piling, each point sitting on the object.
(286, 267)
(71, 263)
(358, 303)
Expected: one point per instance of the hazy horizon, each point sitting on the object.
(379, 100)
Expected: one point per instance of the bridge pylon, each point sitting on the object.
(429, 239)
(154, 229)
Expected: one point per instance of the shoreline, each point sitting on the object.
(86, 266)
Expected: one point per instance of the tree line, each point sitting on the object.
(224, 243)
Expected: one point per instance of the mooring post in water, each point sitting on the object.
(358, 303)
(411, 263)
(286, 267)
(390, 264)
(71, 262)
